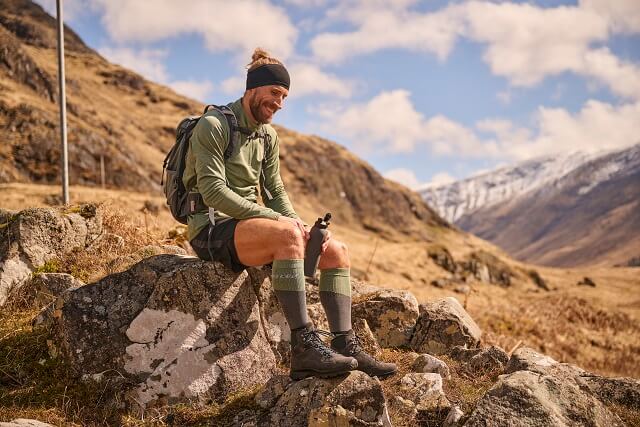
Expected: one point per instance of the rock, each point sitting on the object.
(462, 289)
(442, 257)
(489, 360)
(367, 339)
(527, 359)
(426, 363)
(527, 398)
(488, 268)
(463, 354)
(587, 282)
(442, 325)
(178, 328)
(35, 236)
(355, 399)
(23, 422)
(453, 418)
(425, 391)
(621, 391)
(272, 390)
(124, 262)
(538, 280)
(45, 288)
(391, 315)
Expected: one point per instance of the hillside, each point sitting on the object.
(109, 111)
(588, 216)
(570, 210)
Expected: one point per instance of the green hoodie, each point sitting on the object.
(232, 187)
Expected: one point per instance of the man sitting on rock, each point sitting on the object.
(247, 234)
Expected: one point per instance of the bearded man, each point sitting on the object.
(238, 232)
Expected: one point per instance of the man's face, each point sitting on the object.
(264, 101)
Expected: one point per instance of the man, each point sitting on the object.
(247, 234)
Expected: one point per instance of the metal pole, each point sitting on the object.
(63, 105)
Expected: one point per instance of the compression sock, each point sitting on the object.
(288, 283)
(335, 296)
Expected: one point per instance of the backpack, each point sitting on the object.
(180, 200)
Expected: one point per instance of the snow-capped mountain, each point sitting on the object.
(456, 199)
(590, 214)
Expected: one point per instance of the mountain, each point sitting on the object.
(590, 215)
(129, 122)
(576, 209)
(455, 200)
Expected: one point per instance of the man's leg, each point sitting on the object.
(260, 241)
(335, 296)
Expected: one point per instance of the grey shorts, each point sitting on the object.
(216, 243)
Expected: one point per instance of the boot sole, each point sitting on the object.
(300, 375)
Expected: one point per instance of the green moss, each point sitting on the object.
(51, 266)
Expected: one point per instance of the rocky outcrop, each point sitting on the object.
(23, 422)
(426, 363)
(32, 237)
(45, 288)
(391, 315)
(178, 328)
(442, 325)
(540, 400)
(356, 399)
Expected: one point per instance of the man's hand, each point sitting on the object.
(298, 223)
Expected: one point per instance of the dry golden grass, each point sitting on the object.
(595, 328)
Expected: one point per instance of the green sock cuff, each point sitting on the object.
(336, 280)
(288, 275)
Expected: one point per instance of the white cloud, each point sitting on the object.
(150, 64)
(389, 123)
(226, 26)
(623, 15)
(147, 62)
(523, 43)
(306, 79)
(199, 90)
(387, 25)
(442, 178)
(403, 176)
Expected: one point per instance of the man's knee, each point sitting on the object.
(336, 254)
(292, 239)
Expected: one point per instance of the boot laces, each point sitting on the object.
(312, 338)
(354, 345)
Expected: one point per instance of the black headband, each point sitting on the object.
(268, 74)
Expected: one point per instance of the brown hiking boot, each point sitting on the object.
(310, 356)
(348, 344)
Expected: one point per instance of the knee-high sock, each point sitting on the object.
(335, 296)
(288, 283)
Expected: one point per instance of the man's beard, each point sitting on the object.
(257, 112)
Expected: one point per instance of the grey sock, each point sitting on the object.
(335, 296)
(288, 283)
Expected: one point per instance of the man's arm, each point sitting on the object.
(208, 145)
(273, 183)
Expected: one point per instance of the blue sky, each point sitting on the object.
(424, 91)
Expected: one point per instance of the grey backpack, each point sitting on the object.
(181, 202)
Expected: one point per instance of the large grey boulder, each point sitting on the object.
(621, 391)
(34, 236)
(442, 325)
(176, 327)
(390, 314)
(355, 399)
(526, 398)
(23, 422)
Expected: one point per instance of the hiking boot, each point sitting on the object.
(348, 344)
(310, 356)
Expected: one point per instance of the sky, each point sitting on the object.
(424, 91)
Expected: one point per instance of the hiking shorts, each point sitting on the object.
(216, 243)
